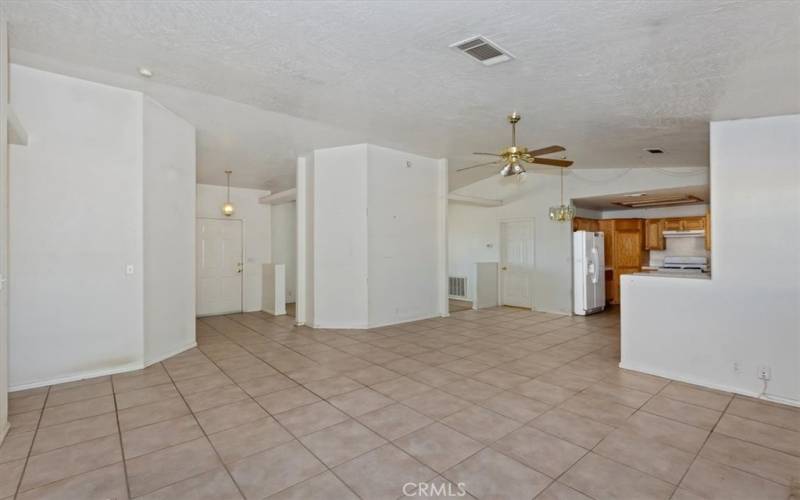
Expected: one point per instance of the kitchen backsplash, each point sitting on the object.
(684, 247)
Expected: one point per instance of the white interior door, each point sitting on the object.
(516, 263)
(219, 266)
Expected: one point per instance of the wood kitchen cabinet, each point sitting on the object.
(583, 224)
(654, 235)
(683, 223)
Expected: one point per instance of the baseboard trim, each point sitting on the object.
(185, 347)
(710, 385)
(77, 376)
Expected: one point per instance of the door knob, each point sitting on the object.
(239, 267)
(504, 268)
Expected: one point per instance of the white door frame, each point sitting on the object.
(244, 262)
(501, 239)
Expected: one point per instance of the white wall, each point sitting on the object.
(255, 219)
(4, 220)
(169, 201)
(340, 237)
(532, 197)
(748, 314)
(284, 243)
(402, 236)
(76, 222)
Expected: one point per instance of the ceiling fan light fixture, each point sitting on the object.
(227, 208)
(507, 170)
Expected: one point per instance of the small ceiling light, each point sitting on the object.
(562, 213)
(145, 72)
(228, 209)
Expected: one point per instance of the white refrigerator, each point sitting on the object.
(589, 272)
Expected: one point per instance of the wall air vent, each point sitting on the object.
(482, 49)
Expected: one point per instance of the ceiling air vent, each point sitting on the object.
(483, 49)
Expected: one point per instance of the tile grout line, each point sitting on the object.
(121, 445)
(33, 441)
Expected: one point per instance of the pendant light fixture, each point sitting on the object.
(228, 209)
(562, 213)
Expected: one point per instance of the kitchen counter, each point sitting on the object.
(676, 274)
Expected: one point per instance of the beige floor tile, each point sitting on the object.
(249, 439)
(325, 486)
(151, 472)
(215, 484)
(381, 473)
(204, 400)
(106, 482)
(75, 411)
(371, 375)
(10, 473)
(598, 409)
(310, 418)
(436, 404)
(333, 386)
(79, 393)
(541, 451)
(149, 438)
(639, 381)
(401, 388)
(435, 376)
(558, 491)
(500, 378)
(274, 470)
(70, 460)
(265, 385)
(471, 390)
(257, 371)
(341, 442)
(140, 381)
(152, 413)
(542, 391)
(146, 395)
(203, 383)
(481, 424)
(566, 379)
(360, 401)
(229, 416)
(764, 462)
(287, 399)
(406, 366)
(785, 417)
(74, 432)
(759, 433)
(438, 446)
(465, 367)
(618, 394)
(647, 455)
(394, 421)
(676, 434)
(712, 480)
(22, 404)
(16, 446)
(687, 413)
(490, 474)
(24, 422)
(599, 477)
(707, 398)
(515, 406)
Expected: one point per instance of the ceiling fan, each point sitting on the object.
(512, 156)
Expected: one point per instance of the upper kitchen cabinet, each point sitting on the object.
(683, 224)
(654, 235)
(583, 224)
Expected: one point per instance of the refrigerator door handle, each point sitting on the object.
(594, 265)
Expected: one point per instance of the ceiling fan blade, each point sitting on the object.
(478, 165)
(546, 151)
(487, 154)
(549, 161)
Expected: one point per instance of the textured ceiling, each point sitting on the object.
(605, 79)
(607, 202)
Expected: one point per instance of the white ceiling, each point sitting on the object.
(605, 79)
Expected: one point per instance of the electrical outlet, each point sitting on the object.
(737, 367)
(129, 269)
(764, 372)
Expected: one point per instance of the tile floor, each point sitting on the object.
(508, 403)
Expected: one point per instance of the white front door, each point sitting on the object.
(219, 266)
(516, 263)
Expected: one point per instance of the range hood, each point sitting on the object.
(694, 233)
